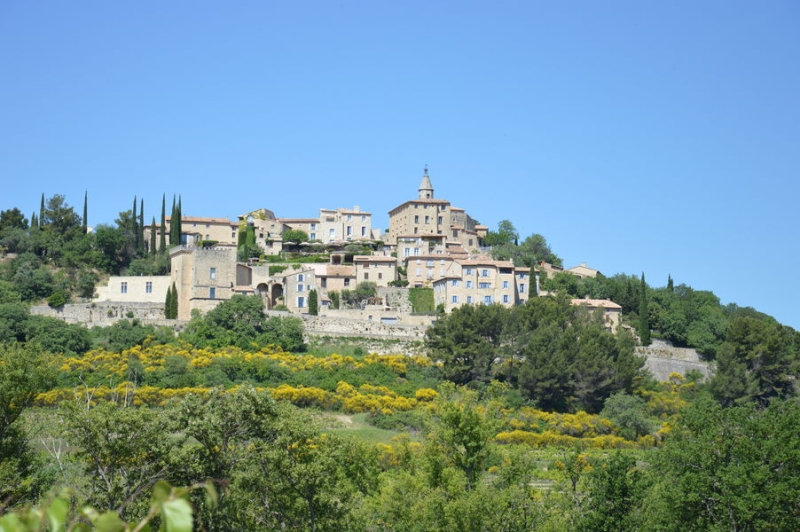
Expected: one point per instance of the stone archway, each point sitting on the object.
(262, 291)
(275, 295)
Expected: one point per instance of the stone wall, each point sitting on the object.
(105, 313)
(663, 359)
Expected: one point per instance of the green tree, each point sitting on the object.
(304, 479)
(506, 234)
(85, 218)
(313, 303)
(162, 245)
(729, 469)
(12, 219)
(754, 364)
(644, 315)
(629, 412)
(467, 341)
(614, 494)
(25, 370)
(223, 427)
(295, 236)
(123, 450)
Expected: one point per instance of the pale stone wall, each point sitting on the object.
(663, 359)
(103, 312)
(132, 289)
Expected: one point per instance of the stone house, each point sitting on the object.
(481, 281)
(612, 313)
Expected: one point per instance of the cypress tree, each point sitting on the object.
(34, 221)
(174, 303)
(313, 303)
(85, 212)
(168, 304)
(140, 234)
(669, 284)
(41, 212)
(644, 315)
(135, 225)
(153, 237)
(163, 241)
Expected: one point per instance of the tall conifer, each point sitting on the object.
(163, 241)
(135, 225)
(644, 315)
(85, 212)
(41, 212)
(140, 234)
(153, 248)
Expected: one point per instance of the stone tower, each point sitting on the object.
(425, 187)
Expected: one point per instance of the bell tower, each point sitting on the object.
(425, 187)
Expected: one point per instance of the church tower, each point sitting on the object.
(425, 187)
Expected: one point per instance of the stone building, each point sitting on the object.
(135, 289)
(481, 281)
(427, 222)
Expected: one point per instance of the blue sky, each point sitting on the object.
(655, 137)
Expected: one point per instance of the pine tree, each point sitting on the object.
(163, 241)
(85, 212)
(153, 237)
(644, 315)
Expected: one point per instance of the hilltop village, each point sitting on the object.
(429, 244)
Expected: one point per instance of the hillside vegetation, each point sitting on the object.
(527, 418)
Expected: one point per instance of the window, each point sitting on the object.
(416, 229)
(212, 273)
(208, 225)
(505, 298)
(148, 287)
(440, 220)
(454, 299)
(380, 275)
(429, 263)
(347, 282)
(487, 300)
(418, 271)
(299, 288)
(454, 282)
(484, 273)
(363, 231)
(349, 230)
(484, 285)
(123, 287)
(212, 293)
(313, 227)
(301, 302)
(469, 284)
(469, 299)
(430, 273)
(407, 252)
(522, 288)
(468, 271)
(366, 276)
(505, 284)
(233, 235)
(416, 218)
(332, 233)
(323, 282)
(363, 218)
(521, 275)
(312, 236)
(443, 207)
(427, 219)
(301, 277)
(416, 251)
